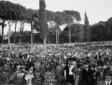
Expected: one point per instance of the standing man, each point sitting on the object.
(69, 72)
(84, 76)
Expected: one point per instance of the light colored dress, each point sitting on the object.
(29, 78)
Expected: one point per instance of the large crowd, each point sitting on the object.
(74, 64)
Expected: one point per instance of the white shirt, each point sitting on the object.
(70, 70)
(108, 82)
(29, 78)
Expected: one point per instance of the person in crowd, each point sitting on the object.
(107, 81)
(70, 71)
(17, 78)
(60, 73)
(29, 76)
(66, 71)
(85, 75)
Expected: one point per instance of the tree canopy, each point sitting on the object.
(74, 14)
(10, 11)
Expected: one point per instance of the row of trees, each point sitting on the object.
(14, 13)
(102, 31)
(76, 35)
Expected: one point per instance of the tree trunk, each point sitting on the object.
(31, 34)
(56, 36)
(21, 31)
(69, 34)
(15, 32)
(9, 32)
(3, 29)
(9, 35)
(44, 44)
(2, 33)
(89, 35)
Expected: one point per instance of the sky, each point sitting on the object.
(97, 10)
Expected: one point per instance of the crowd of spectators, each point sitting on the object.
(74, 64)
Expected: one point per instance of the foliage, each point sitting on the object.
(42, 19)
(76, 29)
(102, 31)
(10, 11)
(74, 14)
(87, 36)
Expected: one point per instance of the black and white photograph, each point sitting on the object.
(55, 42)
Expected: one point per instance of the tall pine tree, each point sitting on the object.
(43, 26)
(87, 34)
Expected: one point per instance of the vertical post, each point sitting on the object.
(31, 34)
(3, 27)
(45, 38)
(69, 34)
(9, 32)
(56, 36)
(15, 32)
(3, 30)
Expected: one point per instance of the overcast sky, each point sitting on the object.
(97, 10)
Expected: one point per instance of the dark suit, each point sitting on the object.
(84, 77)
(69, 77)
(92, 80)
